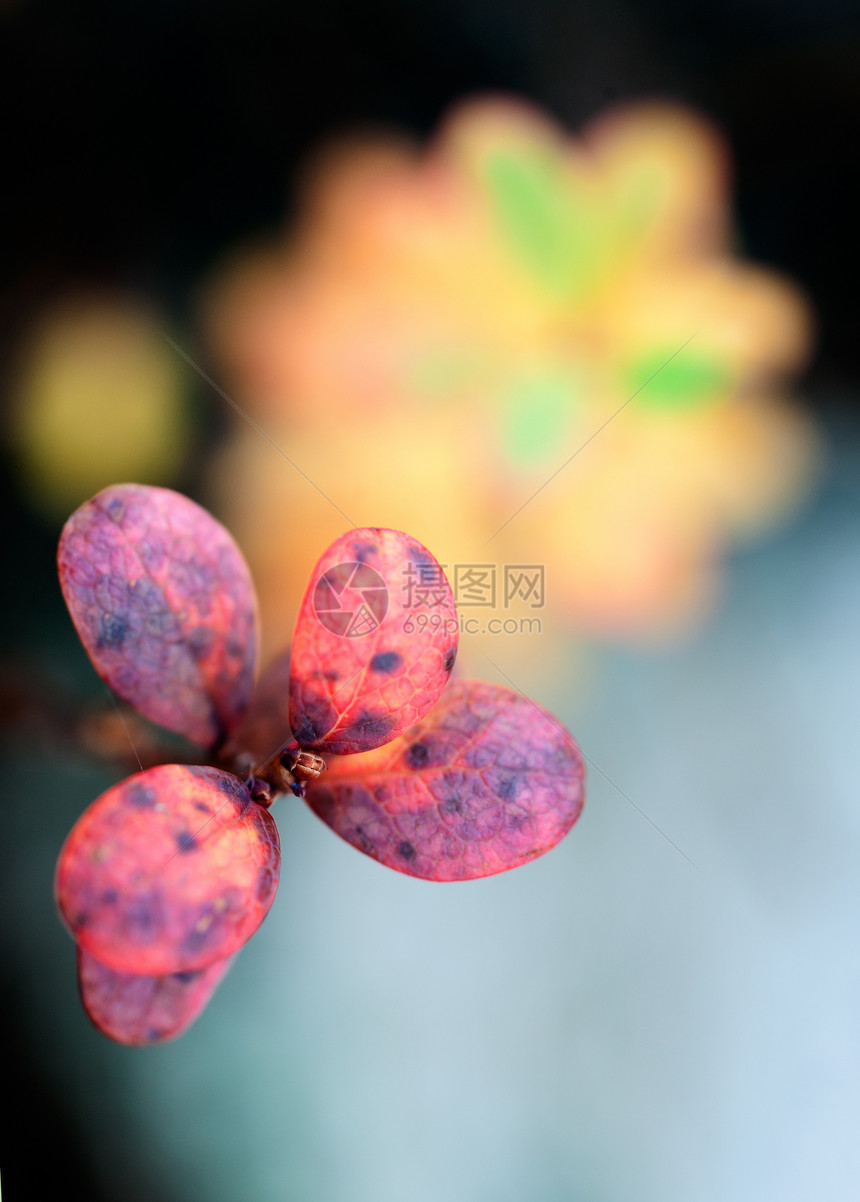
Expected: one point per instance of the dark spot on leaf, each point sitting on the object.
(452, 806)
(416, 756)
(203, 931)
(386, 661)
(200, 641)
(429, 752)
(110, 897)
(154, 1034)
(142, 918)
(161, 623)
(506, 788)
(140, 797)
(81, 919)
(265, 884)
(202, 807)
(406, 850)
(361, 840)
(185, 978)
(372, 725)
(419, 557)
(113, 631)
(306, 732)
(186, 842)
(449, 659)
(147, 596)
(515, 821)
(115, 509)
(317, 720)
(363, 551)
(232, 787)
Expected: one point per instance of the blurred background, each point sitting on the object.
(555, 286)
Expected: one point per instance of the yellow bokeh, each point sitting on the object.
(98, 399)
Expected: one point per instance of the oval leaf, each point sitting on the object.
(375, 642)
(164, 604)
(168, 871)
(486, 782)
(139, 1010)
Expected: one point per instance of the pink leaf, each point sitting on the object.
(487, 781)
(140, 1010)
(164, 605)
(375, 642)
(168, 871)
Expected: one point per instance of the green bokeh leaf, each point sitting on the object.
(537, 413)
(692, 377)
(547, 226)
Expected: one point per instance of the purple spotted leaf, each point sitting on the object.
(374, 645)
(168, 871)
(164, 604)
(139, 1010)
(485, 782)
